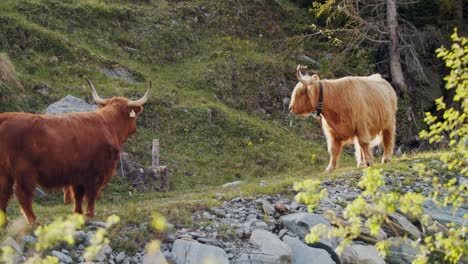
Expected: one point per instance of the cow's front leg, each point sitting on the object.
(334, 148)
(67, 194)
(77, 196)
(6, 190)
(358, 153)
(24, 192)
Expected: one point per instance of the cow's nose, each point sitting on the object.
(290, 109)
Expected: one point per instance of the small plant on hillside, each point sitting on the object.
(374, 208)
(159, 224)
(99, 239)
(56, 233)
(59, 231)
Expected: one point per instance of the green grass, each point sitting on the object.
(208, 83)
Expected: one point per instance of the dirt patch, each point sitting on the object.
(115, 70)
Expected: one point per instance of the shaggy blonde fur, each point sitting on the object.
(359, 110)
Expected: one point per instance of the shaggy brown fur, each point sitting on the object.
(56, 151)
(359, 110)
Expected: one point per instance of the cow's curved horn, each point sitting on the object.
(96, 96)
(300, 77)
(143, 99)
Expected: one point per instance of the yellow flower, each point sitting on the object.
(153, 247)
(158, 222)
(2, 218)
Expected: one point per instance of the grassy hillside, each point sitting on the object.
(221, 72)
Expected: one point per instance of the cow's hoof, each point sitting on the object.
(90, 215)
(385, 160)
(329, 170)
(360, 164)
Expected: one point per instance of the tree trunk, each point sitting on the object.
(395, 61)
(459, 16)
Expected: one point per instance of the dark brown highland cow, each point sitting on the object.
(80, 150)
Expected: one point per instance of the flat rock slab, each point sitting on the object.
(154, 258)
(303, 254)
(120, 72)
(10, 242)
(270, 244)
(445, 214)
(361, 254)
(300, 224)
(70, 104)
(62, 256)
(192, 252)
(401, 251)
(404, 225)
(232, 184)
(258, 258)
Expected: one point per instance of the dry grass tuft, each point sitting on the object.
(8, 73)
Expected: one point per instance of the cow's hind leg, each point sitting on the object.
(359, 153)
(78, 195)
(366, 152)
(25, 194)
(388, 144)
(91, 195)
(334, 147)
(6, 190)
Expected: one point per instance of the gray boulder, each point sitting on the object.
(366, 233)
(192, 252)
(10, 242)
(258, 258)
(70, 104)
(270, 244)
(154, 258)
(300, 224)
(400, 251)
(403, 225)
(267, 207)
(62, 256)
(361, 254)
(445, 214)
(232, 184)
(303, 254)
(120, 257)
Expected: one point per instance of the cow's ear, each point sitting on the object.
(135, 111)
(315, 77)
(101, 105)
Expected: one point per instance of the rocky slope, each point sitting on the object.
(271, 229)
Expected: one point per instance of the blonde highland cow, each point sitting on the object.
(359, 110)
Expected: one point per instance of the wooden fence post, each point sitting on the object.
(155, 153)
(160, 172)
